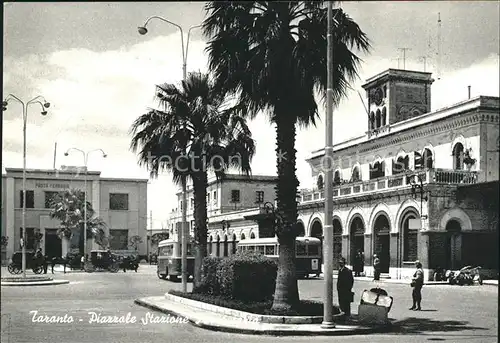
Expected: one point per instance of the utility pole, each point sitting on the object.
(439, 47)
(148, 238)
(396, 59)
(404, 56)
(424, 59)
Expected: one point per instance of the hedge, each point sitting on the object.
(246, 276)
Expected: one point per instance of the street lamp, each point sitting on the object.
(418, 184)
(44, 105)
(142, 31)
(85, 163)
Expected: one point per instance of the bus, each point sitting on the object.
(170, 257)
(307, 252)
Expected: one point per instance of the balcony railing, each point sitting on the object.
(393, 182)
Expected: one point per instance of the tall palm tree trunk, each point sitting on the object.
(286, 295)
(200, 218)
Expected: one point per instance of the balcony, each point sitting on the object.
(393, 182)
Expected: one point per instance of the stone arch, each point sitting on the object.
(337, 176)
(409, 237)
(355, 211)
(210, 245)
(458, 139)
(408, 203)
(316, 229)
(226, 247)
(357, 230)
(380, 208)
(234, 244)
(381, 239)
(337, 240)
(301, 227)
(457, 214)
(401, 153)
(320, 181)
(217, 246)
(356, 172)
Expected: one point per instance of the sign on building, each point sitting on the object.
(414, 224)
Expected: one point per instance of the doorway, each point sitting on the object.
(453, 245)
(382, 242)
(53, 244)
(357, 238)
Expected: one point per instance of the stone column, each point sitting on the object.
(368, 254)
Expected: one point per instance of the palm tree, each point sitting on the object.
(68, 207)
(272, 55)
(194, 131)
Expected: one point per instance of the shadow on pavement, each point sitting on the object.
(413, 326)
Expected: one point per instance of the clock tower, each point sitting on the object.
(396, 95)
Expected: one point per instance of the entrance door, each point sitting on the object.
(382, 242)
(453, 245)
(53, 245)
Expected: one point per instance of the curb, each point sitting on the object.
(269, 332)
(39, 283)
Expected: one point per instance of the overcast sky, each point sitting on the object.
(99, 74)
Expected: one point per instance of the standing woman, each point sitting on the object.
(417, 283)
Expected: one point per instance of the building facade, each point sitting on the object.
(121, 203)
(232, 203)
(418, 185)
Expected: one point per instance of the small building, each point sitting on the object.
(121, 203)
(418, 185)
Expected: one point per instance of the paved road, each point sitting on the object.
(452, 314)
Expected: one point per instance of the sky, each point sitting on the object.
(88, 60)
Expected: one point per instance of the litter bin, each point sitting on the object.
(374, 306)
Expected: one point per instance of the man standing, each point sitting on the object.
(417, 283)
(345, 282)
(376, 268)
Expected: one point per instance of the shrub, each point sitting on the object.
(208, 284)
(247, 277)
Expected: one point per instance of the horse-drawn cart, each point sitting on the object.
(102, 260)
(15, 267)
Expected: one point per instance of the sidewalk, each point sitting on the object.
(218, 321)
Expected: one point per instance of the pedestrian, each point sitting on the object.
(358, 263)
(345, 282)
(82, 262)
(376, 268)
(417, 283)
(45, 264)
(53, 263)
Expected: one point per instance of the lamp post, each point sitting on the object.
(85, 163)
(418, 184)
(328, 230)
(44, 105)
(143, 30)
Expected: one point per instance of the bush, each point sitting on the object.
(230, 277)
(208, 284)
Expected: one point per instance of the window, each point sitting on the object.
(118, 201)
(401, 164)
(235, 195)
(119, 239)
(377, 170)
(320, 182)
(30, 237)
(384, 116)
(313, 250)
(167, 250)
(410, 240)
(208, 198)
(377, 119)
(30, 199)
(355, 175)
(300, 249)
(371, 124)
(458, 156)
(270, 250)
(427, 159)
(336, 178)
(50, 197)
(252, 236)
(192, 203)
(215, 196)
(259, 197)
